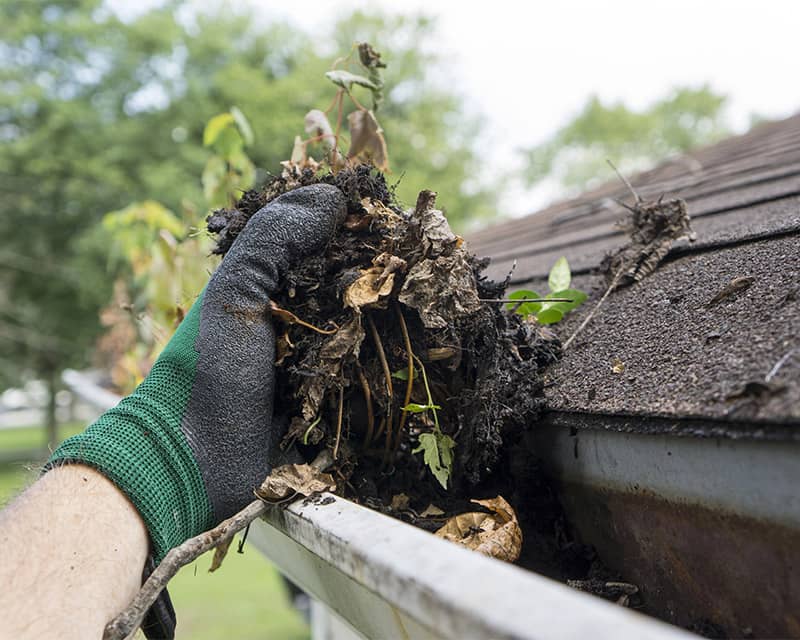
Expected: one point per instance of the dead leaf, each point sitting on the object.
(366, 139)
(370, 290)
(283, 348)
(653, 228)
(220, 551)
(441, 288)
(495, 534)
(345, 343)
(617, 366)
(317, 126)
(290, 480)
(400, 502)
(431, 511)
(734, 286)
(437, 237)
(298, 151)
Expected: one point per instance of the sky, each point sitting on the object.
(529, 67)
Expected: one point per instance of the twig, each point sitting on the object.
(131, 618)
(625, 181)
(410, 383)
(525, 300)
(774, 371)
(588, 318)
(339, 423)
(368, 399)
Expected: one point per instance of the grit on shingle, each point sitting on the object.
(682, 359)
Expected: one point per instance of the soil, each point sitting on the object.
(389, 274)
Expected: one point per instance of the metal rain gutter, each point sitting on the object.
(387, 579)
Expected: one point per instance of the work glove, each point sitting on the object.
(193, 441)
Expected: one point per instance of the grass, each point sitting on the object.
(245, 599)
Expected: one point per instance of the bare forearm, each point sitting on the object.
(73, 553)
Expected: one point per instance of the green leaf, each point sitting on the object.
(215, 127)
(549, 316)
(560, 275)
(578, 297)
(228, 143)
(244, 126)
(213, 178)
(437, 450)
(403, 374)
(413, 407)
(526, 308)
(346, 80)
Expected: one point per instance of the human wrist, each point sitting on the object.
(140, 447)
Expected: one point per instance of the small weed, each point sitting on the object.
(437, 447)
(547, 312)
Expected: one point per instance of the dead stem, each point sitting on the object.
(387, 374)
(339, 423)
(409, 384)
(131, 618)
(381, 427)
(596, 307)
(368, 399)
(290, 318)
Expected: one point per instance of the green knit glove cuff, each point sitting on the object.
(139, 445)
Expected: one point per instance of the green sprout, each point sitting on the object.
(437, 448)
(547, 312)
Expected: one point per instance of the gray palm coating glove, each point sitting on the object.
(190, 444)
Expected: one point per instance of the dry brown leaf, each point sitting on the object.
(366, 139)
(290, 480)
(495, 534)
(431, 511)
(220, 551)
(400, 502)
(370, 290)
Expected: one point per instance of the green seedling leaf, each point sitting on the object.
(244, 126)
(526, 308)
(413, 407)
(346, 80)
(437, 450)
(215, 127)
(560, 275)
(549, 316)
(578, 297)
(403, 374)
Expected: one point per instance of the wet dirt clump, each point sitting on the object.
(390, 352)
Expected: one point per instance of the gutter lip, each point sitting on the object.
(454, 592)
(680, 426)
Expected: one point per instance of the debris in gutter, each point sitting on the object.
(733, 287)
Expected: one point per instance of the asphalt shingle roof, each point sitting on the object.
(684, 363)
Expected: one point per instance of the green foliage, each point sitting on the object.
(96, 113)
(558, 281)
(634, 140)
(229, 171)
(402, 374)
(437, 450)
(436, 447)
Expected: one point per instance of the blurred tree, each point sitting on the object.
(96, 112)
(633, 140)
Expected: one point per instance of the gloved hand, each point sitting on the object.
(196, 437)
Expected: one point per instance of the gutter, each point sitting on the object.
(387, 579)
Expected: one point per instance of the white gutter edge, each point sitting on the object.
(391, 580)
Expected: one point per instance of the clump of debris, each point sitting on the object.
(392, 354)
